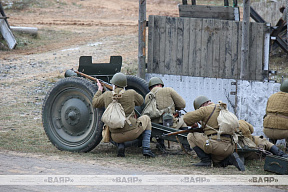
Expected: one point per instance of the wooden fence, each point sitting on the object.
(202, 47)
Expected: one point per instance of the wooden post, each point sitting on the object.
(142, 39)
(245, 40)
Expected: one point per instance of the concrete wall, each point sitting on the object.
(249, 104)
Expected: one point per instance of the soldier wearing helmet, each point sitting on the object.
(130, 98)
(206, 145)
(276, 118)
(169, 100)
(246, 139)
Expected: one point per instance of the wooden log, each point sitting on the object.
(28, 30)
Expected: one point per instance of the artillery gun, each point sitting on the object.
(69, 119)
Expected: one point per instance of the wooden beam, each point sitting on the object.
(142, 39)
(208, 12)
(245, 41)
(7, 34)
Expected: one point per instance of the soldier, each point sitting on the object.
(276, 118)
(169, 100)
(130, 98)
(246, 139)
(206, 145)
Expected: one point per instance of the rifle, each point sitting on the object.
(103, 83)
(190, 130)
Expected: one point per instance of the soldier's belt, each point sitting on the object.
(222, 136)
(278, 115)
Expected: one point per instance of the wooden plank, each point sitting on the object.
(234, 50)
(210, 47)
(168, 46)
(216, 49)
(198, 45)
(252, 52)
(203, 11)
(179, 46)
(222, 46)
(151, 34)
(186, 46)
(228, 49)
(162, 40)
(204, 48)
(173, 45)
(239, 48)
(260, 51)
(192, 47)
(7, 34)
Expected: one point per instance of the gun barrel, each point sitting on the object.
(183, 131)
(94, 79)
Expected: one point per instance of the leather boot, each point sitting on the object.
(146, 144)
(204, 157)
(276, 151)
(235, 160)
(120, 150)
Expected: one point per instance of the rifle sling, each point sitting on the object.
(209, 117)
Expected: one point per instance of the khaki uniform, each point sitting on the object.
(207, 141)
(130, 99)
(246, 130)
(168, 97)
(276, 119)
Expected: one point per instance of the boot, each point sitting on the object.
(120, 150)
(146, 144)
(235, 160)
(276, 151)
(204, 157)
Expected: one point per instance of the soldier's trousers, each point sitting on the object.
(272, 133)
(142, 123)
(219, 149)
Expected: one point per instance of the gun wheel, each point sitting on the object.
(68, 117)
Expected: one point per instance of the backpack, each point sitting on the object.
(228, 123)
(150, 108)
(114, 115)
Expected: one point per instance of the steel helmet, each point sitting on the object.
(155, 81)
(199, 101)
(284, 86)
(119, 79)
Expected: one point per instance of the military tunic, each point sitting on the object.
(207, 141)
(276, 119)
(130, 99)
(168, 97)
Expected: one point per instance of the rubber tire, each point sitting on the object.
(61, 97)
